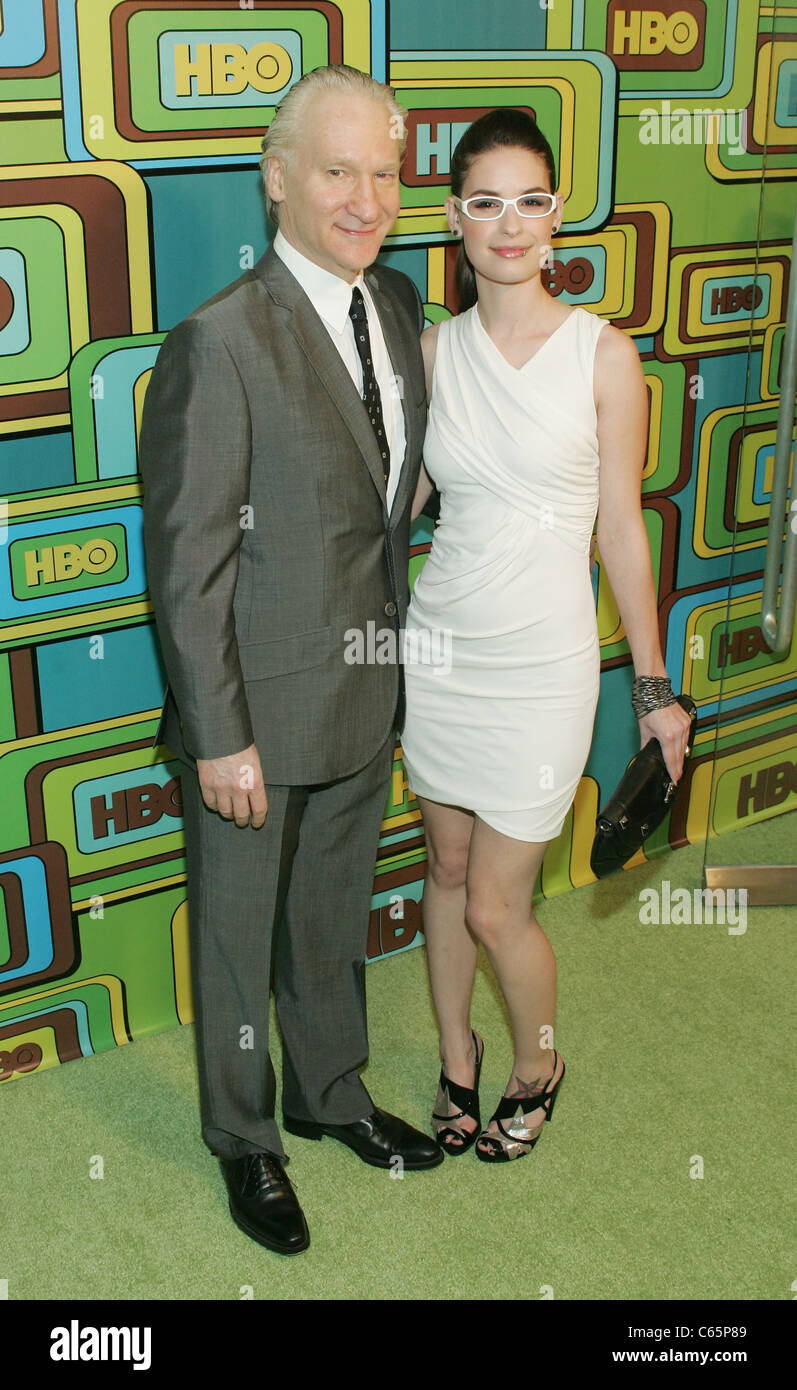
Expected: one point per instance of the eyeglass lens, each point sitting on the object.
(531, 205)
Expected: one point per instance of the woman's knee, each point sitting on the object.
(491, 918)
(447, 865)
(486, 918)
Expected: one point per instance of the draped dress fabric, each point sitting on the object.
(505, 595)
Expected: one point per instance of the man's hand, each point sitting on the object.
(234, 787)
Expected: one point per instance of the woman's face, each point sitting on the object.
(510, 249)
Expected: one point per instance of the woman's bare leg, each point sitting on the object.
(500, 883)
(450, 948)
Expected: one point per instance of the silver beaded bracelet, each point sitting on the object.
(649, 693)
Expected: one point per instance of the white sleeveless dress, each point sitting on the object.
(505, 596)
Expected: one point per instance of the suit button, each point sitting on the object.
(391, 609)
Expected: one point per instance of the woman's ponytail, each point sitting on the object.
(464, 281)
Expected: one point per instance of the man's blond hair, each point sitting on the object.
(284, 134)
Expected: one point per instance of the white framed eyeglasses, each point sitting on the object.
(484, 208)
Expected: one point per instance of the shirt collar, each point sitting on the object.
(329, 294)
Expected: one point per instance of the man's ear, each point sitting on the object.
(275, 178)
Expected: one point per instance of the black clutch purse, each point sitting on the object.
(639, 804)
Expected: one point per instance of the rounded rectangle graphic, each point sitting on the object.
(187, 85)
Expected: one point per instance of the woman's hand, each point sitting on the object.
(670, 726)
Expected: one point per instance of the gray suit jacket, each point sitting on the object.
(266, 529)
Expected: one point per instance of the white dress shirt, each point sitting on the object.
(330, 296)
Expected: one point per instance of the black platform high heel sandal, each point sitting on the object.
(516, 1139)
(451, 1137)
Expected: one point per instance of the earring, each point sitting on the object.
(554, 230)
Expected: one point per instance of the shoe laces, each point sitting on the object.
(265, 1171)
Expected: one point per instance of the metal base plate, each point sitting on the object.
(768, 885)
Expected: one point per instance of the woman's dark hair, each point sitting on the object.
(503, 128)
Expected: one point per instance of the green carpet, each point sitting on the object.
(679, 1043)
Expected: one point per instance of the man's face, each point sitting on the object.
(339, 194)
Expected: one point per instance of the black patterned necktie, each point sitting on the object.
(371, 396)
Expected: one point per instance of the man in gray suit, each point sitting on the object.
(280, 447)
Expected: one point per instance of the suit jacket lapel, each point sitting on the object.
(315, 342)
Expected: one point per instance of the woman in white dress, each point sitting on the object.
(537, 421)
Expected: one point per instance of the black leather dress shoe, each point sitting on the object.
(379, 1139)
(263, 1203)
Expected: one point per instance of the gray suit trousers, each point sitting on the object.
(287, 904)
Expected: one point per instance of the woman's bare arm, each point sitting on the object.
(424, 485)
(622, 406)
